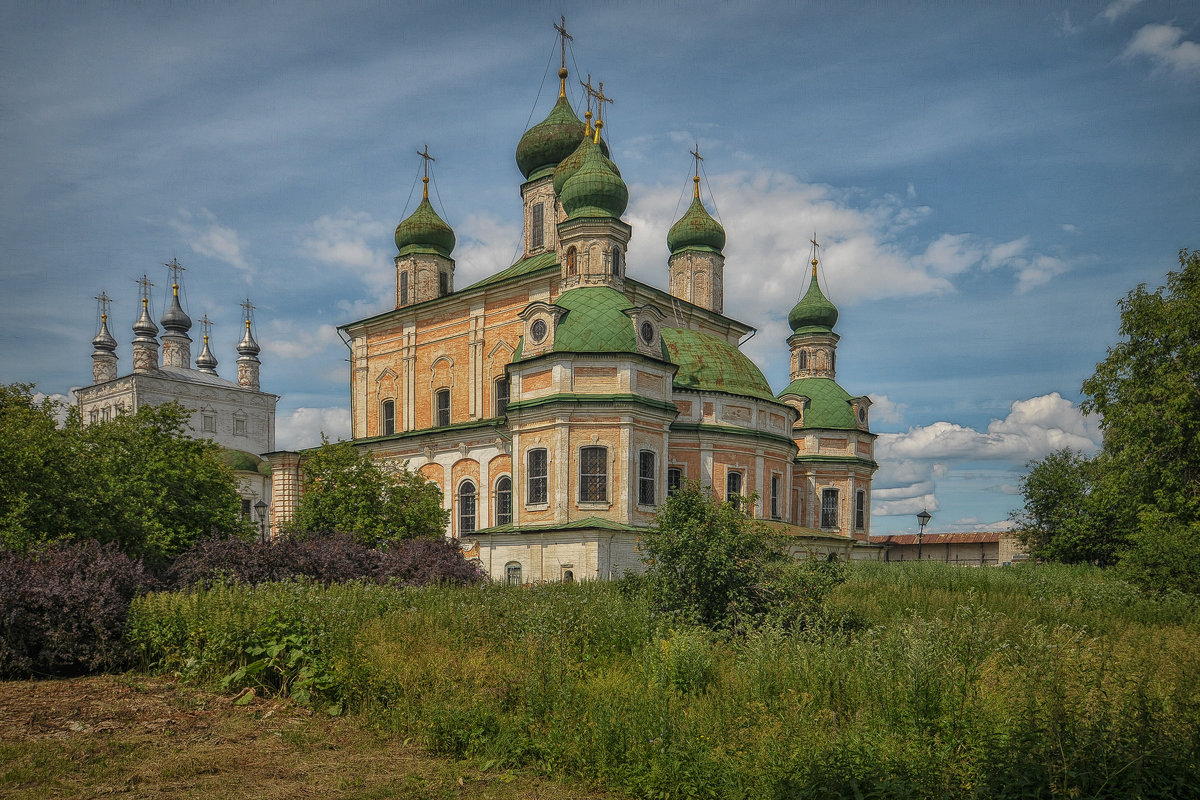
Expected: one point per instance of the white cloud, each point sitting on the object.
(1165, 47)
(205, 234)
(883, 409)
(1118, 9)
(287, 338)
(304, 426)
(485, 246)
(341, 242)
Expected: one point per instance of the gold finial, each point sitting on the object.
(562, 70)
(425, 180)
(696, 180)
(145, 284)
(816, 249)
(104, 301)
(601, 99)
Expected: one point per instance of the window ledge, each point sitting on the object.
(594, 505)
(537, 506)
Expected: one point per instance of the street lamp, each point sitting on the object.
(261, 508)
(922, 518)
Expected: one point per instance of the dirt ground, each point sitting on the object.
(141, 737)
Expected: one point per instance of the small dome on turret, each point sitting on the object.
(552, 139)
(145, 327)
(425, 230)
(104, 340)
(814, 310)
(696, 229)
(206, 361)
(176, 319)
(247, 346)
(595, 190)
(571, 164)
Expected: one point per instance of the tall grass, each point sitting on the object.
(936, 681)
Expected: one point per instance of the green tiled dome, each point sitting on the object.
(709, 363)
(596, 322)
(425, 230)
(551, 140)
(813, 311)
(241, 460)
(595, 190)
(829, 404)
(571, 164)
(696, 229)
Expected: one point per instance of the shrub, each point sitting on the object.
(419, 562)
(63, 610)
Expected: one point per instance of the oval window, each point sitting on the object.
(537, 331)
(647, 332)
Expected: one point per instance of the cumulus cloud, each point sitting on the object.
(1165, 47)
(485, 246)
(1117, 9)
(286, 338)
(913, 463)
(341, 242)
(885, 410)
(304, 426)
(205, 234)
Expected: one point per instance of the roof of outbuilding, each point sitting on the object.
(829, 404)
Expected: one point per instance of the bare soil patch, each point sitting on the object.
(140, 737)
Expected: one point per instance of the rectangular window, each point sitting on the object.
(860, 510)
(536, 478)
(674, 480)
(245, 508)
(593, 474)
(94, 416)
(775, 481)
(387, 418)
(733, 488)
(646, 478)
(442, 402)
(537, 224)
(829, 508)
(403, 288)
(239, 426)
(208, 423)
(501, 396)
(512, 574)
(443, 284)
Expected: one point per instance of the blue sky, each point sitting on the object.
(987, 180)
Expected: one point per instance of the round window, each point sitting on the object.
(647, 332)
(862, 414)
(537, 331)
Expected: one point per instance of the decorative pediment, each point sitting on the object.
(541, 320)
(647, 324)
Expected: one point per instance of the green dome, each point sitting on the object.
(813, 310)
(828, 406)
(595, 190)
(696, 230)
(242, 461)
(596, 322)
(710, 363)
(551, 140)
(571, 164)
(424, 229)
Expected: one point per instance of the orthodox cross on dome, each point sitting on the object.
(175, 268)
(144, 285)
(696, 155)
(816, 248)
(206, 324)
(425, 155)
(247, 306)
(600, 98)
(105, 301)
(564, 37)
(589, 92)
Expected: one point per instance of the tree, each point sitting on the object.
(714, 565)
(348, 491)
(1067, 514)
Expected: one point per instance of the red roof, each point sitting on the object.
(977, 537)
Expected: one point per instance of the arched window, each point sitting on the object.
(572, 260)
(593, 474)
(466, 508)
(442, 406)
(387, 417)
(504, 500)
(733, 488)
(674, 480)
(616, 260)
(829, 508)
(568, 576)
(512, 573)
(646, 478)
(535, 477)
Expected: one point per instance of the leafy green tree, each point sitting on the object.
(709, 562)
(1068, 512)
(348, 491)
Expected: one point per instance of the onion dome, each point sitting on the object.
(552, 139)
(206, 361)
(595, 190)
(708, 363)
(424, 230)
(247, 346)
(176, 319)
(571, 164)
(813, 310)
(104, 340)
(696, 229)
(145, 327)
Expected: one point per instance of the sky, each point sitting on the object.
(987, 180)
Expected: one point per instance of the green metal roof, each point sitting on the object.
(696, 229)
(594, 190)
(525, 266)
(243, 461)
(424, 230)
(814, 312)
(829, 404)
(709, 363)
(551, 140)
(595, 322)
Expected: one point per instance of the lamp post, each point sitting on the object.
(261, 508)
(922, 518)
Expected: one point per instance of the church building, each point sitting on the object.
(559, 401)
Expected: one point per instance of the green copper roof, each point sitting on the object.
(551, 140)
(709, 363)
(425, 230)
(595, 322)
(571, 164)
(829, 404)
(595, 190)
(525, 266)
(242, 461)
(813, 310)
(696, 229)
